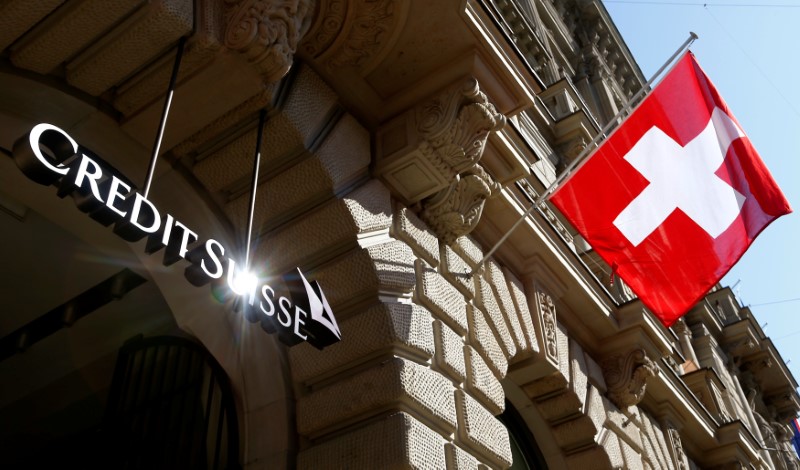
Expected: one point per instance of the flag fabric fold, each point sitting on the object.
(675, 196)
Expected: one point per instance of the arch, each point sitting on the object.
(170, 405)
(254, 361)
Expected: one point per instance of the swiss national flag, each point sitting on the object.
(674, 197)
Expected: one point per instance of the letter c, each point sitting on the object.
(37, 166)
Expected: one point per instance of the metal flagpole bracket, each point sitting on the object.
(164, 114)
(591, 146)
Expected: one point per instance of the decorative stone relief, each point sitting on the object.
(678, 455)
(456, 210)
(429, 155)
(353, 33)
(266, 32)
(626, 376)
(374, 19)
(547, 312)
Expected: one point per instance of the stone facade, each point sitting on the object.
(396, 152)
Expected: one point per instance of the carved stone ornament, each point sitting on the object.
(267, 32)
(677, 447)
(429, 156)
(626, 376)
(547, 312)
(457, 210)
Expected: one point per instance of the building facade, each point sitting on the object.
(402, 140)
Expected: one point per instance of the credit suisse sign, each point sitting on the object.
(49, 156)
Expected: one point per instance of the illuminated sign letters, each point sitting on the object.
(49, 156)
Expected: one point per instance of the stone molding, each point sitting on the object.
(626, 376)
(266, 32)
(429, 156)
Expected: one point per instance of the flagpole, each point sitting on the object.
(588, 148)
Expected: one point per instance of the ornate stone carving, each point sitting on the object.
(374, 19)
(677, 448)
(266, 32)
(457, 210)
(353, 33)
(547, 312)
(757, 365)
(626, 376)
(326, 29)
(430, 155)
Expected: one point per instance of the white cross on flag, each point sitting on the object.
(675, 196)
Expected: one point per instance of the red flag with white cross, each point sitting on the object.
(675, 196)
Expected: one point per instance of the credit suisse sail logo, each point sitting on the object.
(49, 156)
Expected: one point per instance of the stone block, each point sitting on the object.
(469, 250)
(577, 371)
(543, 388)
(17, 16)
(381, 330)
(654, 446)
(482, 338)
(594, 458)
(575, 434)
(299, 187)
(595, 373)
(154, 29)
(625, 427)
(517, 291)
(482, 383)
(560, 407)
(610, 443)
(328, 230)
(459, 459)
(494, 316)
(393, 385)
(562, 338)
(412, 230)
(497, 281)
(457, 271)
(309, 103)
(397, 441)
(73, 31)
(449, 356)
(633, 459)
(441, 298)
(481, 432)
(365, 273)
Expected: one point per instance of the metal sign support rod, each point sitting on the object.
(164, 114)
(262, 117)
